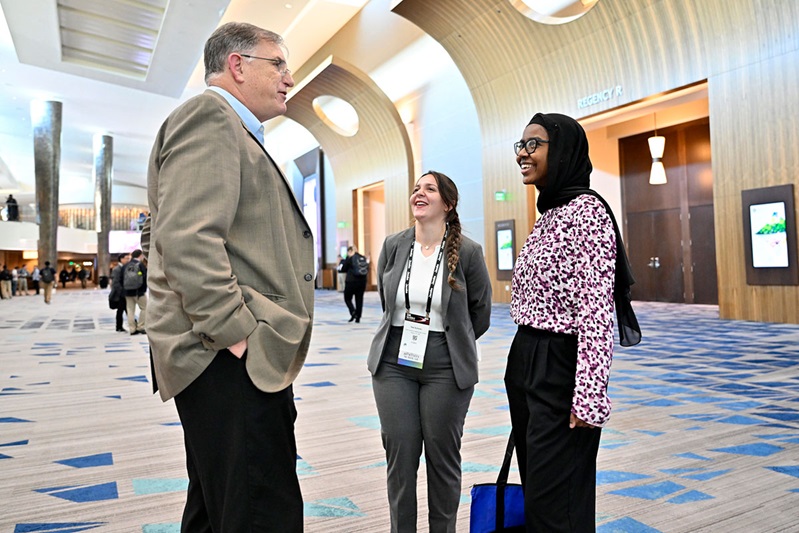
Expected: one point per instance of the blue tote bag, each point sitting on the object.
(498, 507)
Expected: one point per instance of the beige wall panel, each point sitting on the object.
(746, 49)
(754, 124)
(379, 151)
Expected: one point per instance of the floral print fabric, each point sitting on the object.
(563, 283)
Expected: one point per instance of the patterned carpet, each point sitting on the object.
(704, 435)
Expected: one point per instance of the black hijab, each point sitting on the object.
(568, 176)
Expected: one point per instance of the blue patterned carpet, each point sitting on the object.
(704, 434)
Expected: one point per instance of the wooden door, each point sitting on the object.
(703, 255)
(669, 228)
(655, 251)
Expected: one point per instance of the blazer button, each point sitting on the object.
(308, 277)
(446, 328)
(307, 234)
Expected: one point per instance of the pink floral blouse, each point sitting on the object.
(563, 282)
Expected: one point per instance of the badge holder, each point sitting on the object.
(416, 328)
(414, 340)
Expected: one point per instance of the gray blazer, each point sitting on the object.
(466, 313)
(230, 252)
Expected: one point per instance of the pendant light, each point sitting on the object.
(657, 144)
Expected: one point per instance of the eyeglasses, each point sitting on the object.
(529, 145)
(279, 63)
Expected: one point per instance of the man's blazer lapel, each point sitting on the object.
(263, 149)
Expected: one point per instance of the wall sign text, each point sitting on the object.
(601, 96)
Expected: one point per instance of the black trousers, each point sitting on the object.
(121, 310)
(355, 288)
(241, 453)
(557, 464)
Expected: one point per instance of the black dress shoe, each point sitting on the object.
(351, 318)
(358, 320)
(121, 329)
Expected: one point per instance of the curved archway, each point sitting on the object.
(379, 151)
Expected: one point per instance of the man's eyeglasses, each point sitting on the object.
(279, 63)
(529, 145)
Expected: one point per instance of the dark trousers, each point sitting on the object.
(355, 288)
(416, 407)
(557, 464)
(121, 310)
(241, 453)
(36, 285)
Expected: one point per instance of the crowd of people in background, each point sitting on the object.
(125, 296)
(19, 280)
(14, 282)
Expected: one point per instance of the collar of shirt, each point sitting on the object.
(246, 116)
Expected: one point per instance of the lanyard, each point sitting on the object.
(432, 281)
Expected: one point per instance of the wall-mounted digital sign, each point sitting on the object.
(770, 236)
(506, 248)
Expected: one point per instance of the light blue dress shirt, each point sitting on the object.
(246, 116)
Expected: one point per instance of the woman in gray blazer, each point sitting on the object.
(436, 297)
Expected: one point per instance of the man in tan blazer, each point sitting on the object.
(231, 288)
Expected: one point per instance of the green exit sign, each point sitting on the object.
(501, 196)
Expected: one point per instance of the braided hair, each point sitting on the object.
(449, 195)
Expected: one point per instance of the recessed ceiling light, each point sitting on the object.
(553, 11)
(337, 114)
(288, 6)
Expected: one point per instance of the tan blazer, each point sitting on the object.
(230, 253)
(466, 313)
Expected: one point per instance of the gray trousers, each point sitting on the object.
(416, 407)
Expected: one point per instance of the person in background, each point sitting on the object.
(117, 295)
(356, 267)
(12, 208)
(341, 276)
(63, 277)
(134, 282)
(48, 281)
(423, 358)
(232, 285)
(23, 280)
(570, 272)
(14, 280)
(5, 283)
(83, 275)
(36, 277)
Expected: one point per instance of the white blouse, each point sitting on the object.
(421, 274)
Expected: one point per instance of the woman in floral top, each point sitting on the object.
(562, 298)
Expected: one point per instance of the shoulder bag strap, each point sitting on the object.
(502, 481)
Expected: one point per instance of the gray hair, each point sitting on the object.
(233, 37)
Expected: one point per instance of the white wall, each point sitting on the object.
(446, 138)
(25, 236)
